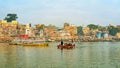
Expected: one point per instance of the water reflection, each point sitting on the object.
(85, 55)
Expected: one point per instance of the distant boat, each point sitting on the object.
(29, 42)
(15, 43)
(12, 43)
(34, 43)
(44, 44)
(66, 46)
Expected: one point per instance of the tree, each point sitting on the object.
(92, 26)
(112, 30)
(10, 17)
(118, 27)
(79, 30)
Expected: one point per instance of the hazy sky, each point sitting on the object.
(56, 12)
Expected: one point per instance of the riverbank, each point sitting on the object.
(92, 40)
(79, 39)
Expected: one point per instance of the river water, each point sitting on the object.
(85, 55)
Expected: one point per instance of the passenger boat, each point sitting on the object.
(66, 46)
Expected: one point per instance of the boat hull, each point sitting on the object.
(66, 46)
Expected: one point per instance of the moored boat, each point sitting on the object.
(12, 43)
(44, 44)
(66, 46)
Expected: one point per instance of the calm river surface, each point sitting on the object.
(85, 55)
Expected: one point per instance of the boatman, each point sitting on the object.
(61, 42)
(72, 40)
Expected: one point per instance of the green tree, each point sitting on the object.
(79, 30)
(11, 17)
(92, 26)
(112, 30)
(118, 27)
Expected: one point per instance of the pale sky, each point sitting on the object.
(56, 12)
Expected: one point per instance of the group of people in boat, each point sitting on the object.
(66, 45)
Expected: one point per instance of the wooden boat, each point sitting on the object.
(12, 43)
(66, 46)
(36, 44)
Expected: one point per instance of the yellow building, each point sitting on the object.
(118, 35)
(5, 24)
(8, 28)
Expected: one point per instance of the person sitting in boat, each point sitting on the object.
(69, 44)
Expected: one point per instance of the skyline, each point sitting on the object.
(57, 12)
